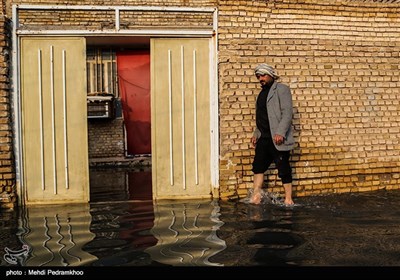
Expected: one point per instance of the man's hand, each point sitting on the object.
(278, 139)
(254, 141)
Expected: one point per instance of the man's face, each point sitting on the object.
(264, 79)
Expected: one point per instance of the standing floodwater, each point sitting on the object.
(333, 230)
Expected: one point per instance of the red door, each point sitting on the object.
(134, 86)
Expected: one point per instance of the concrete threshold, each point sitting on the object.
(131, 162)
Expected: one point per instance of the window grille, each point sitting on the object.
(101, 72)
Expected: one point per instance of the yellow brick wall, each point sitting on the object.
(186, 3)
(105, 20)
(341, 59)
(7, 172)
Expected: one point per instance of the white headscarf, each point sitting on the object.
(265, 69)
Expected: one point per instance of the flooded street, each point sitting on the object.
(333, 230)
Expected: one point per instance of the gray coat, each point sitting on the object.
(280, 113)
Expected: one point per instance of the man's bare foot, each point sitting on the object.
(256, 197)
(289, 202)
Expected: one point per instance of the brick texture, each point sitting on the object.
(106, 138)
(341, 59)
(105, 20)
(8, 198)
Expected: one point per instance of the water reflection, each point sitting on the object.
(122, 233)
(55, 235)
(186, 234)
(8, 238)
(339, 230)
(257, 234)
(121, 184)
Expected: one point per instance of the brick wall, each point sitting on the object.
(186, 3)
(105, 20)
(106, 138)
(341, 59)
(7, 173)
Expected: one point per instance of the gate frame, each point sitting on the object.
(164, 33)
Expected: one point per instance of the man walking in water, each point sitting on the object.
(273, 136)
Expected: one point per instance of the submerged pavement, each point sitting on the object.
(334, 230)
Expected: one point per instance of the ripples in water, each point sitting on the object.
(332, 230)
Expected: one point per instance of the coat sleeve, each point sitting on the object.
(286, 107)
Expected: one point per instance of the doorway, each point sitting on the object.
(181, 172)
(121, 143)
(180, 126)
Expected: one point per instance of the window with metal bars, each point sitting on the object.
(101, 72)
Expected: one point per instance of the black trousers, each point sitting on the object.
(266, 153)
